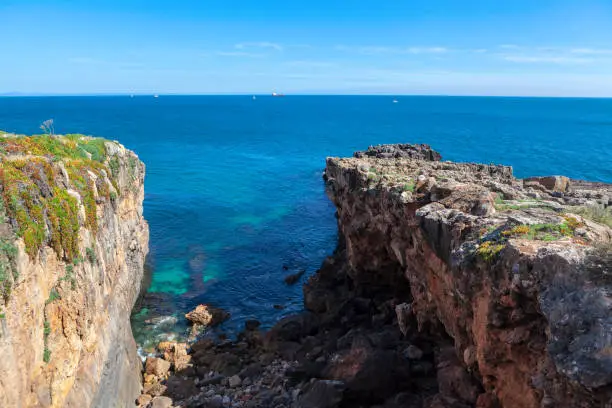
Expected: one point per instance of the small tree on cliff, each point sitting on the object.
(47, 127)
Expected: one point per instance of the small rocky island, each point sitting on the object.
(453, 285)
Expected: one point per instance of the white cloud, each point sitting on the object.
(261, 44)
(310, 64)
(238, 54)
(427, 50)
(547, 59)
(509, 47)
(369, 50)
(591, 51)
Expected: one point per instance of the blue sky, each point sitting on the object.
(494, 47)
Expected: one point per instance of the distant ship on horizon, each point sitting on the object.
(277, 94)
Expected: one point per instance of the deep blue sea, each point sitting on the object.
(234, 189)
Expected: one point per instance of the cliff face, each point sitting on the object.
(72, 246)
(516, 272)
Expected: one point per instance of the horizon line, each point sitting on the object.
(152, 94)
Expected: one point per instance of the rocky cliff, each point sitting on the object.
(515, 272)
(72, 246)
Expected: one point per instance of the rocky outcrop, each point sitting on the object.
(73, 243)
(515, 273)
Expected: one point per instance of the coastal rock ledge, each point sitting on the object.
(514, 274)
(72, 246)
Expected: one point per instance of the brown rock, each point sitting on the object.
(157, 366)
(154, 390)
(552, 183)
(165, 346)
(161, 402)
(143, 400)
(368, 373)
(149, 378)
(205, 315)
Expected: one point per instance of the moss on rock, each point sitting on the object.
(37, 194)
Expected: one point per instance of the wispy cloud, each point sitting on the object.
(543, 59)
(310, 64)
(239, 54)
(369, 50)
(591, 51)
(260, 44)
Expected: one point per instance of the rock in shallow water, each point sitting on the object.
(205, 315)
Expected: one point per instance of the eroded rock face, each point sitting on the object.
(505, 267)
(411, 151)
(65, 337)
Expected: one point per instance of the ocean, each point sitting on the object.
(234, 191)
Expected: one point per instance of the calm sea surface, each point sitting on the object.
(234, 189)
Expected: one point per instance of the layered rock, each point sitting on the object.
(515, 272)
(73, 246)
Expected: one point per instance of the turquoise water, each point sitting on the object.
(234, 189)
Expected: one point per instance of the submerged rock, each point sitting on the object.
(294, 278)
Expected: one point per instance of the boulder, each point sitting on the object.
(143, 400)
(369, 374)
(322, 394)
(252, 325)
(403, 312)
(157, 367)
(176, 353)
(205, 315)
(161, 402)
(235, 381)
(553, 183)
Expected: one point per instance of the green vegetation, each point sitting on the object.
(53, 296)
(113, 164)
(599, 215)
(91, 255)
(46, 333)
(490, 247)
(45, 213)
(47, 355)
(488, 250)
(372, 176)
(408, 186)
(69, 276)
(8, 270)
(545, 232)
